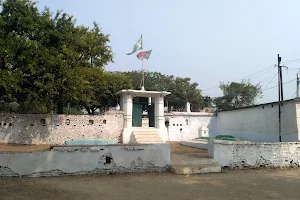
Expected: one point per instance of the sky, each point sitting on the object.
(208, 41)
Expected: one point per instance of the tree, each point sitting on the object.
(154, 81)
(103, 86)
(182, 89)
(237, 95)
(43, 58)
(207, 102)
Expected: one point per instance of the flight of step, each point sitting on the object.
(190, 165)
(147, 136)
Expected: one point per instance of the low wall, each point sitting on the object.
(253, 155)
(186, 125)
(55, 129)
(84, 160)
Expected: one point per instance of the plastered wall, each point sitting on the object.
(187, 126)
(66, 160)
(260, 123)
(55, 129)
(243, 154)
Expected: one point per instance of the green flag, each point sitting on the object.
(137, 46)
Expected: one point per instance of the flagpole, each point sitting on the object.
(143, 73)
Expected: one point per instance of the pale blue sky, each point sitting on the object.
(209, 41)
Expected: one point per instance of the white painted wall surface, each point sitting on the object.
(30, 129)
(187, 126)
(260, 123)
(298, 117)
(253, 155)
(86, 160)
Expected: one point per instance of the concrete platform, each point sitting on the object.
(195, 169)
(188, 160)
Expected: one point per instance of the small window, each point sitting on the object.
(180, 124)
(10, 124)
(43, 122)
(186, 122)
(91, 122)
(167, 123)
(67, 122)
(173, 124)
(104, 121)
(108, 160)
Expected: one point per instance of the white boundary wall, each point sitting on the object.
(260, 123)
(186, 125)
(55, 129)
(253, 155)
(80, 160)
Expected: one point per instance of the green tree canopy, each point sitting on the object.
(182, 89)
(237, 95)
(44, 57)
(102, 90)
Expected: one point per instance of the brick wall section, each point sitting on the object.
(55, 129)
(68, 161)
(244, 154)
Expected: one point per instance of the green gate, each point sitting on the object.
(151, 115)
(137, 115)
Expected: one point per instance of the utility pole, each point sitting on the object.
(281, 87)
(298, 84)
(279, 95)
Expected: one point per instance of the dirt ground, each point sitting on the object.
(177, 148)
(22, 148)
(229, 185)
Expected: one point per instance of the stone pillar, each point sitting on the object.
(121, 102)
(159, 112)
(160, 117)
(127, 109)
(188, 107)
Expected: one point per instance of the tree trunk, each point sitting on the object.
(60, 108)
(87, 109)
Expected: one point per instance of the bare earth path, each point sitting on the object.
(229, 185)
(22, 148)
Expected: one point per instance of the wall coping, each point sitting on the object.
(51, 115)
(226, 142)
(196, 114)
(296, 100)
(105, 145)
(52, 147)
